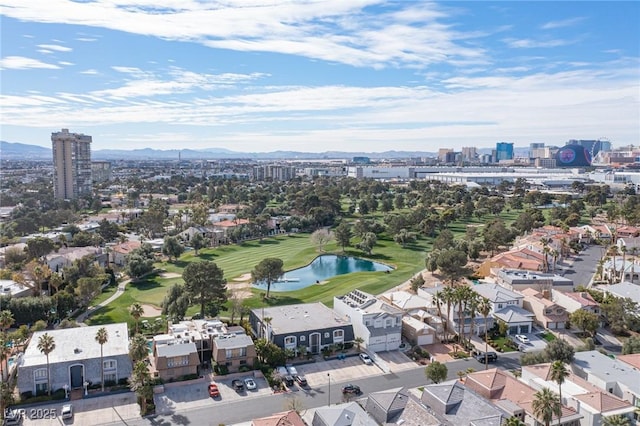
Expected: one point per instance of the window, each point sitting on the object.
(111, 377)
(389, 322)
(109, 364)
(40, 374)
(290, 341)
(178, 361)
(499, 305)
(338, 336)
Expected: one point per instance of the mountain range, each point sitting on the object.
(20, 151)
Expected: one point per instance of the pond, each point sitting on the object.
(321, 269)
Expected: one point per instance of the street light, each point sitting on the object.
(329, 392)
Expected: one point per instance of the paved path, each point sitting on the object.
(86, 314)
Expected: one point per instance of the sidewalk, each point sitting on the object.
(91, 309)
(118, 408)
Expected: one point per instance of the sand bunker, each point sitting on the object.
(170, 275)
(151, 311)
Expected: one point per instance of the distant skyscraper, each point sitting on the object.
(504, 151)
(469, 153)
(71, 164)
(592, 146)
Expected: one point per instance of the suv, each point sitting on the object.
(488, 357)
(238, 385)
(365, 358)
(302, 382)
(351, 389)
(67, 411)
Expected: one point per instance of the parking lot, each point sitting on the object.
(535, 343)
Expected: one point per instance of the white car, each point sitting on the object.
(250, 384)
(67, 411)
(292, 370)
(365, 358)
(522, 338)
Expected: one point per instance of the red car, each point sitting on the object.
(214, 392)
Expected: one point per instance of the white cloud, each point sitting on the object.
(333, 30)
(55, 47)
(562, 23)
(65, 63)
(21, 63)
(89, 72)
(531, 43)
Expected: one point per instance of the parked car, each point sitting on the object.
(522, 338)
(490, 357)
(292, 370)
(12, 417)
(282, 371)
(214, 392)
(238, 385)
(67, 411)
(366, 358)
(288, 380)
(250, 384)
(301, 380)
(351, 389)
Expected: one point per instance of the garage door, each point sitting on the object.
(425, 340)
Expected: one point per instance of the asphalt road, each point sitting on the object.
(583, 267)
(243, 410)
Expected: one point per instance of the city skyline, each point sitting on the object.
(314, 76)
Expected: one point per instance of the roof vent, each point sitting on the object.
(77, 350)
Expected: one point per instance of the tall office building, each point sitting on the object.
(504, 151)
(71, 164)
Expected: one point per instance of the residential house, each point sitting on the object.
(378, 323)
(518, 279)
(234, 351)
(507, 306)
(547, 313)
(174, 358)
(418, 332)
(522, 258)
(18, 247)
(627, 231)
(222, 230)
(612, 376)
(65, 256)
(454, 403)
(75, 362)
(349, 414)
(287, 418)
(623, 290)
(573, 301)
(13, 289)
(398, 407)
(119, 252)
(513, 396)
(588, 400)
(231, 208)
(312, 325)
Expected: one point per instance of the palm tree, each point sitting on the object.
(46, 345)
(559, 372)
(136, 312)
(472, 308)
(4, 352)
(616, 420)
(267, 325)
(545, 405)
(613, 252)
(545, 250)
(140, 383)
(138, 349)
(358, 341)
(623, 249)
(6, 320)
(447, 296)
(484, 307)
(102, 337)
(513, 421)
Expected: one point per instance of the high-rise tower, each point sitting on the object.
(71, 164)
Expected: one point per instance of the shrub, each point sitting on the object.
(244, 368)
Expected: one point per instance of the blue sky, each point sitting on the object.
(319, 75)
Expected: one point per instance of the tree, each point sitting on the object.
(172, 247)
(404, 237)
(559, 373)
(631, 345)
(513, 421)
(204, 282)
(436, 372)
(367, 243)
(138, 264)
(343, 235)
(140, 382)
(39, 247)
(545, 405)
(321, 237)
(175, 303)
(358, 341)
(484, 307)
(6, 320)
(138, 349)
(46, 345)
(197, 242)
(269, 270)
(452, 264)
(559, 350)
(616, 420)
(585, 321)
(444, 240)
(102, 337)
(88, 288)
(417, 282)
(136, 310)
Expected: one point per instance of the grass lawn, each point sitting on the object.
(502, 343)
(549, 337)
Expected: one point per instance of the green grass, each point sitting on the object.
(549, 337)
(502, 343)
